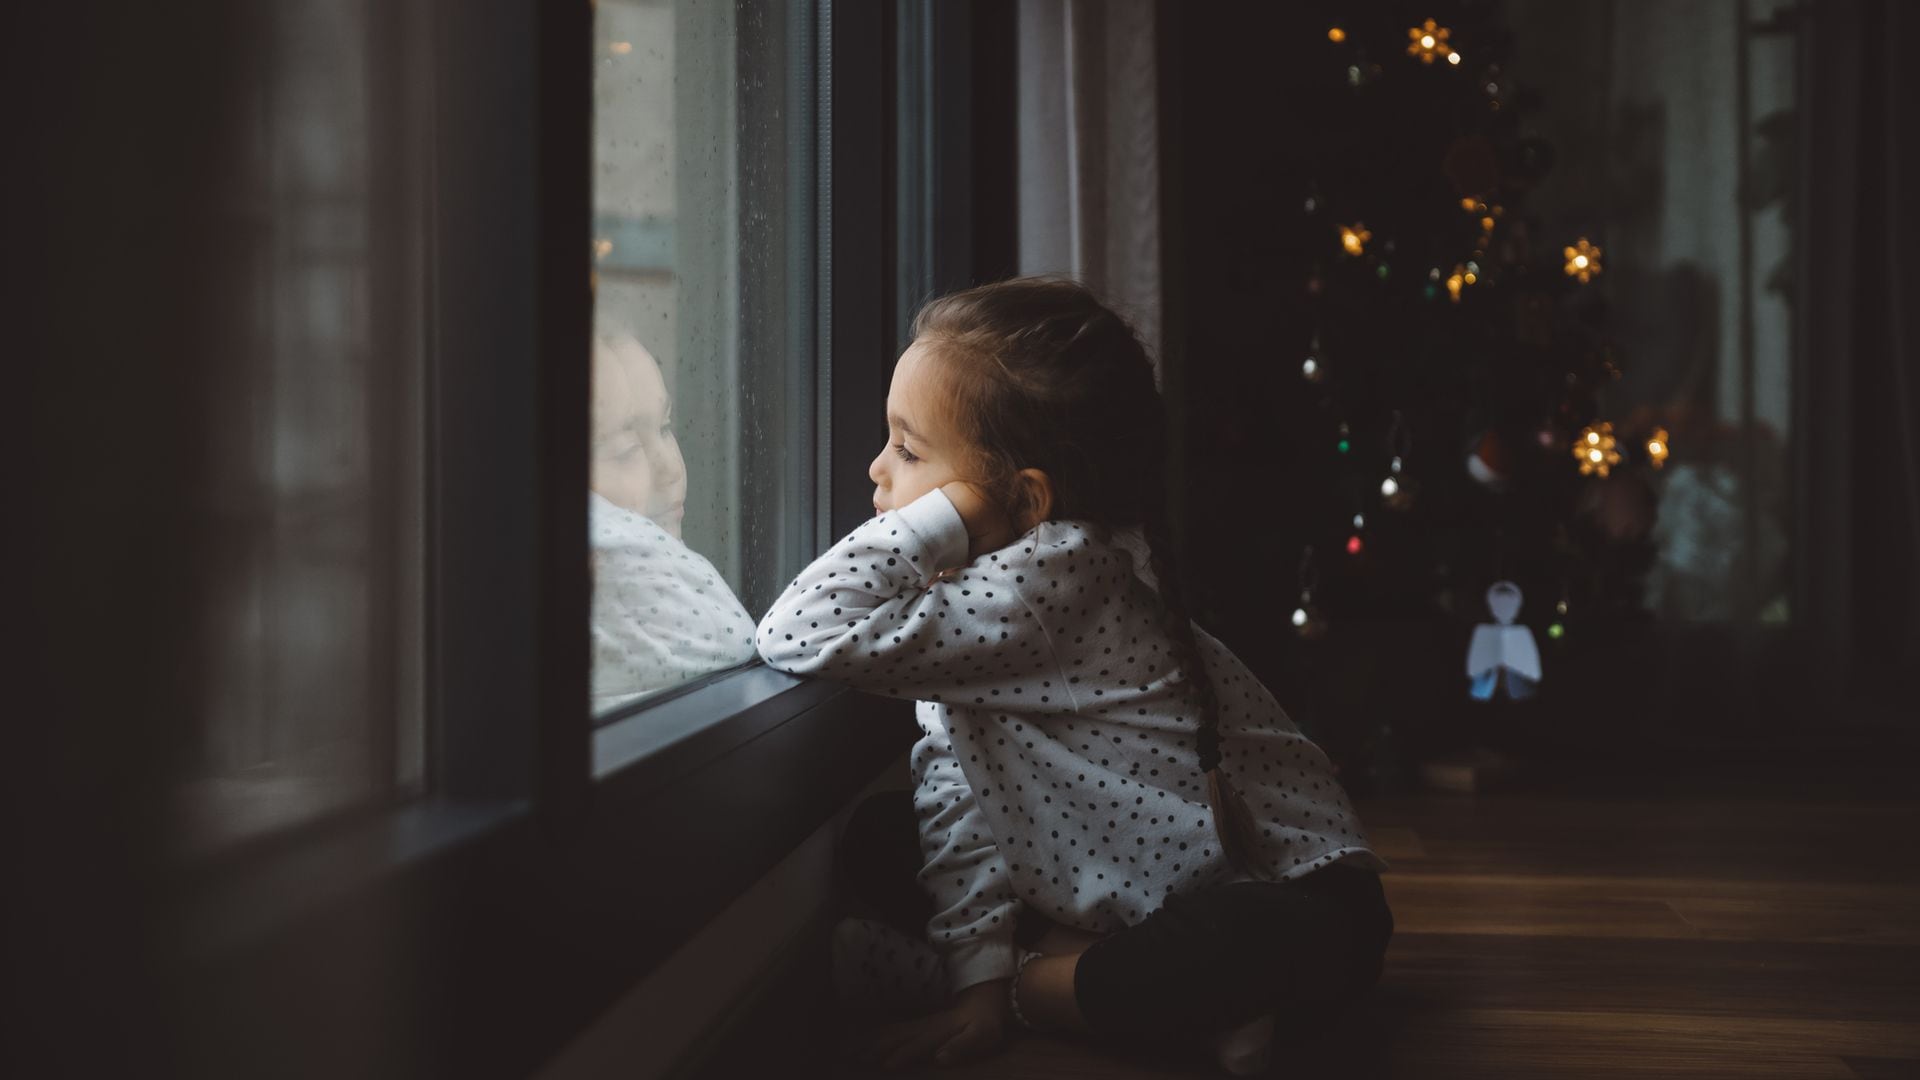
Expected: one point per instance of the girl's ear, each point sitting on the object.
(1035, 498)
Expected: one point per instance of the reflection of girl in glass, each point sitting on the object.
(661, 614)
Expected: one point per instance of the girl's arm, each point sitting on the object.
(876, 611)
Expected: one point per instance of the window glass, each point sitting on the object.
(704, 382)
(1676, 125)
(313, 667)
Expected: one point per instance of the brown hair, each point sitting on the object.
(1047, 377)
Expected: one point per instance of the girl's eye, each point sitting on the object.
(905, 454)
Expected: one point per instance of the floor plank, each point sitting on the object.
(1747, 912)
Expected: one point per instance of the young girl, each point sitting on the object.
(1093, 765)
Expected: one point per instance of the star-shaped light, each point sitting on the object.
(1583, 261)
(1429, 43)
(1596, 450)
(1658, 447)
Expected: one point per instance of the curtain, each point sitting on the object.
(1089, 151)
(1860, 451)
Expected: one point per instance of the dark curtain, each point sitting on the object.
(1859, 422)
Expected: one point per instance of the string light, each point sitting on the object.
(1311, 369)
(1429, 42)
(1596, 450)
(1354, 546)
(1583, 261)
(1354, 239)
(1346, 441)
(1658, 447)
(1336, 35)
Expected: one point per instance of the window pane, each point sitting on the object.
(704, 380)
(314, 612)
(1675, 124)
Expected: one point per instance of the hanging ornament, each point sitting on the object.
(1307, 620)
(1487, 461)
(1596, 450)
(1503, 658)
(1311, 369)
(1390, 487)
(1353, 239)
(1658, 447)
(1429, 42)
(1395, 492)
(1498, 87)
(1583, 261)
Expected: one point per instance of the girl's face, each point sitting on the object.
(636, 458)
(923, 448)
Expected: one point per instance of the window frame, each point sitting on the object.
(530, 890)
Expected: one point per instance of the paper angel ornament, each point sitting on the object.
(1502, 656)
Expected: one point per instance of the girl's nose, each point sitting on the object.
(875, 469)
(669, 468)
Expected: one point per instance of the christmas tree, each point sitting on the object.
(1441, 412)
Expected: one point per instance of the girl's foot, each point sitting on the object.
(878, 969)
(1247, 1049)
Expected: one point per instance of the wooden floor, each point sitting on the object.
(1705, 913)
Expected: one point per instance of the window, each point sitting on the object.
(704, 477)
(312, 498)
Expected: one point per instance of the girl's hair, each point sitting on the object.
(1046, 377)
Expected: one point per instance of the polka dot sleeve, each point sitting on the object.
(878, 612)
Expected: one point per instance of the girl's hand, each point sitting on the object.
(973, 1026)
(988, 527)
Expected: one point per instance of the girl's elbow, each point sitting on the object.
(781, 652)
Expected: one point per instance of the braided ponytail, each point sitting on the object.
(1232, 821)
(1048, 377)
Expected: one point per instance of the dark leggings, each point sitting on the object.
(1304, 949)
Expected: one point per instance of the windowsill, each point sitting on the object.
(681, 733)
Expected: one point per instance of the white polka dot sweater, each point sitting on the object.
(1057, 767)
